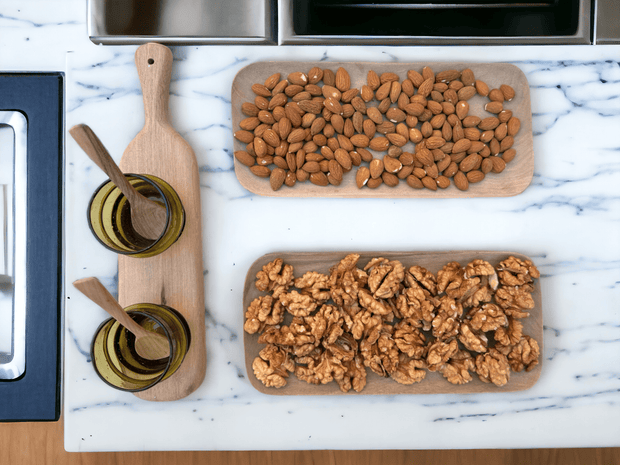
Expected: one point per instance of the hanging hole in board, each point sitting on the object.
(151, 61)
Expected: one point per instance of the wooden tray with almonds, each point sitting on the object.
(434, 382)
(513, 180)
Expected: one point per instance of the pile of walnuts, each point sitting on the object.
(298, 130)
(398, 322)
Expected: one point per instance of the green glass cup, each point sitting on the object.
(114, 355)
(109, 217)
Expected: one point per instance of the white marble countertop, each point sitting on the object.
(568, 221)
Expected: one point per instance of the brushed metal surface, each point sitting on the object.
(607, 15)
(117, 22)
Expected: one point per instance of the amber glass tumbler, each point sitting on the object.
(114, 355)
(109, 217)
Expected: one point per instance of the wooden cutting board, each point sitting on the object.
(174, 277)
(513, 180)
(434, 383)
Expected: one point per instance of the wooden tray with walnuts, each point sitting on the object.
(385, 115)
(278, 377)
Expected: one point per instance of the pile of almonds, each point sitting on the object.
(319, 133)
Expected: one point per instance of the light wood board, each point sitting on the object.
(434, 383)
(174, 277)
(513, 180)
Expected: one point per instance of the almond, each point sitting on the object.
(419, 172)
(448, 75)
(461, 145)
(345, 143)
(244, 157)
(496, 95)
(390, 179)
(349, 95)
(442, 182)
(470, 162)
(416, 78)
(359, 105)
(260, 171)
(494, 107)
(379, 144)
(362, 176)
(271, 138)
(383, 91)
(396, 139)
(364, 154)
(501, 131)
(487, 164)
(395, 115)
(331, 91)
(369, 128)
(432, 171)
(343, 80)
(460, 181)
(488, 123)
(261, 102)
(356, 158)
(243, 136)
(475, 176)
(335, 169)
(375, 115)
(504, 116)
(278, 100)
(279, 88)
(507, 91)
(373, 80)
(302, 175)
(249, 124)
(414, 109)
(260, 89)
(429, 183)
(298, 78)
(296, 135)
(249, 109)
(514, 124)
(376, 168)
(481, 88)
(310, 106)
(391, 165)
(300, 158)
(367, 93)
(319, 178)
(260, 147)
(471, 121)
(498, 164)
(466, 93)
(291, 179)
(506, 143)
(435, 142)
(426, 87)
(333, 105)
(494, 146)
(374, 183)
(467, 77)
(451, 170)
(311, 167)
(311, 156)
(292, 90)
(315, 75)
(425, 157)
(407, 87)
(405, 172)
(444, 163)
(486, 136)
(277, 177)
(509, 155)
(414, 182)
(343, 157)
(395, 90)
(292, 113)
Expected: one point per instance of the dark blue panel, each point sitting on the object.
(36, 395)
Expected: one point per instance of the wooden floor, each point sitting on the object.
(42, 444)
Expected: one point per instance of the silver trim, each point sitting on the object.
(13, 365)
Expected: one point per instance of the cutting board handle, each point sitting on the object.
(154, 64)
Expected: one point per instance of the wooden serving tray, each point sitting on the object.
(434, 383)
(174, 277)
(513, 180)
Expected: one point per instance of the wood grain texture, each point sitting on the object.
(434, 383)
(174, 277)
(42, 444)
(513, 180)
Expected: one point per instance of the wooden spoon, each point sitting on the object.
(147, 217)
(149, 345)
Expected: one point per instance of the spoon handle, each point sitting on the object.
(96, 151)
(95, 291)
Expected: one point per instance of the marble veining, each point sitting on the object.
(567, 220)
